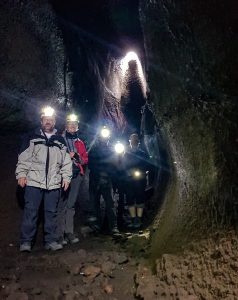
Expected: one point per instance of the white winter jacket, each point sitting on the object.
(44, 162)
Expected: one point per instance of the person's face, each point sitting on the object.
(72, 127)
(134, 142)
(48, 124)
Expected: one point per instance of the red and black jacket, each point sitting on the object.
(76, 145)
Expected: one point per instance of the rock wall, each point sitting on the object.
(191, 63)
(31, 61)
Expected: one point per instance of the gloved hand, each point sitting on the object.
(77, 158)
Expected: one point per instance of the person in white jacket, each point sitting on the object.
(44, 167)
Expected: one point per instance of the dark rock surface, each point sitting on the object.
(206, 270)
(191, 62)
(31, 61)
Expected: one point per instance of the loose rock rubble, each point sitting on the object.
(206, 270)
(72, 274)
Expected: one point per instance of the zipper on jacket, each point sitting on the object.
(47, 160)
(47, 165)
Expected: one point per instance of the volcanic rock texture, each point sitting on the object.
(192, 65)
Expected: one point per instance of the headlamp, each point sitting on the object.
(137, 173)
(105, 132)
(119, 148)
(72, 118)
(47, 111)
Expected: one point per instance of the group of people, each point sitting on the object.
(51, 167)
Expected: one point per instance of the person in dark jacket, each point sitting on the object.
(100, 182)
(44, 166)
(136, 165)
(79, 157)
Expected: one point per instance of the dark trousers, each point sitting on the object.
(33, 198)
(135, 192)
(119, 195)
(102, 186)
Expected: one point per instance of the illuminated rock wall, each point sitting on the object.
(192, 72)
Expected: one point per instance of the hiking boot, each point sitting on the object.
(25, 247)
(71, 238)
(63, 242)
(137, 223)
(91, 219)
(95, 227)
(115, 231)
(53, 246)
(132, 223)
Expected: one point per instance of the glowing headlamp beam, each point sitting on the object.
(131, 56)
(105, 132)
(48, 111)
(119, 148)
(124, 65)
(137, 173)
(72, 118)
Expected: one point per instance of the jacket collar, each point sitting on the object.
(72, 136)
(39, 132)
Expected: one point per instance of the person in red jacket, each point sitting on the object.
(79, 159)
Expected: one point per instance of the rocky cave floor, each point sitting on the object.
(100, 267)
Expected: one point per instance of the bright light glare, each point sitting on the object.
(48, 111)
(131, 56)
(105, 132)
(119, 148)
(72, 118)
(124, 65)
(137, 173)
(125, 61)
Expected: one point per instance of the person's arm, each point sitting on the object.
(81, 153)
(66, 170)
(24, 161)
(84, 155)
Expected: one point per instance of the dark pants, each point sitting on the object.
(33, 198)
(135, 192)
(66, 208)
(119, 195)
(102, 186)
